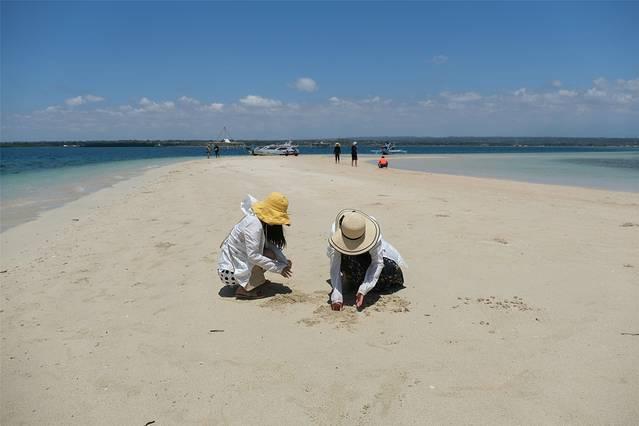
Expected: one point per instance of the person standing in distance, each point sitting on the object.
(337, 151)
(354, 154)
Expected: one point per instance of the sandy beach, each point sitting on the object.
(521, 304)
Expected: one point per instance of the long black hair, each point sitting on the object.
(274, 234)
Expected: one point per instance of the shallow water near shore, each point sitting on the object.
(33, 180)
(25, 195)
(616, 171)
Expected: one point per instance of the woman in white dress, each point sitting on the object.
(255, 245)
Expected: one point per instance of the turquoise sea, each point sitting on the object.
(616, 171)
(33, 179)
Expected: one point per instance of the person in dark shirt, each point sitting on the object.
(354, 154)
(337, 151)
(216, 149)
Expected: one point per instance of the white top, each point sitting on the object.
(244, 246)
(379, 251)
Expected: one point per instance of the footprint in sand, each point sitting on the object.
(516, 303)
(391, 303)
(280, 301)
(629, 224)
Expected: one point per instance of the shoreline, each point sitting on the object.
(41, 207)
(29, 208)
(515, 299)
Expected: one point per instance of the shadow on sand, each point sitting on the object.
(349, 292)
(269, 290)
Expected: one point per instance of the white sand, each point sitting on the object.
(107, 319)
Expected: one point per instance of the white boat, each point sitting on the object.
(225, 136)
(388, 148)
(277, 149)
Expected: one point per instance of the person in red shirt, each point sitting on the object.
(383, 162)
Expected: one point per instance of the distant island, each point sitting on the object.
(374, 141)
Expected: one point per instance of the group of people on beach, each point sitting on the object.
(360, 259)
(337, 151)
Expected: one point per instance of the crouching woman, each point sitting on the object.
(361, 258)
(255, 245)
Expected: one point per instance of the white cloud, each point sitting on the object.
(79, 100)
(461, 97)
(188, 100)
(306, 84)
(593, 92)
(260, 102)
(600, 83)
(439, 59)
(371, 100)
(556, 83)
(619, 96)
(359, 103)
(213, 107)
(632, 85)
(93, 98)
(192, 104)
(610, 107)
(147, 105)
(567, 93)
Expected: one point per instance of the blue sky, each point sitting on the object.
(111, 70)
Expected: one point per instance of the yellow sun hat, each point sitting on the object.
(272, 210)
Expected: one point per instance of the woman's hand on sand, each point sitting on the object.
(286, 272)
(359, 300)
(336, 306)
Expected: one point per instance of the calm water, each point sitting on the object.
(21, 160)
(612, 170)
(36, 179)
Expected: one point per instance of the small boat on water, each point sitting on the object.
(276, 149)
(388, 148)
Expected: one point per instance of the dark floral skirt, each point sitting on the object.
(354, 269)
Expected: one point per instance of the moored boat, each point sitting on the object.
(276, 149)
(388, 148)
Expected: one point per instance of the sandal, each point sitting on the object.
(258, 293)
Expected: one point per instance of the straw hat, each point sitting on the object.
(272, 210)
(356, 232)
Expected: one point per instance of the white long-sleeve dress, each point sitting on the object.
(243, 248)
(379, 251)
